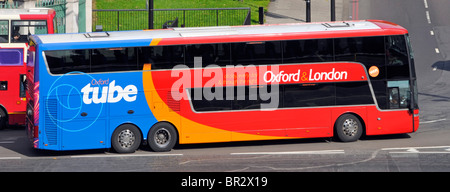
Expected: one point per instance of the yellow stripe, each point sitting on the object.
(17, 113)
(155, 41)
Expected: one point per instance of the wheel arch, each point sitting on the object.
(6, 122)
(4, 109)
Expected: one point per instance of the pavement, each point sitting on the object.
(294, 11)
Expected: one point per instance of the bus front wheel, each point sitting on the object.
(348, 128)
(162, 137)
(126, 139)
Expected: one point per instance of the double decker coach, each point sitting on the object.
(16, 25)
(221, 84)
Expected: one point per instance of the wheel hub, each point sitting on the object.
(162, 137)
(126, 138)
(350, 127)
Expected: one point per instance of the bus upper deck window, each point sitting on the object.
(4, 30)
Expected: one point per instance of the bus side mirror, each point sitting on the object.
(410, 103)
(3, 85)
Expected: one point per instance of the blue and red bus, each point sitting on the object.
(15, 27)
(221, 84)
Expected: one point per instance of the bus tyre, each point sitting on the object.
(2, 119)
(126, 139)
(162, 137)
(348, 128)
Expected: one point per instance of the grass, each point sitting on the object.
(178, 4)
(205, 18)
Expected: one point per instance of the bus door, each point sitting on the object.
(397, 118)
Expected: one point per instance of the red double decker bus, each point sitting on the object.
(15, 27)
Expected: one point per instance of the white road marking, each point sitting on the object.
(437, 50)
(426, 152)
(426, 4)
(407, 148)
(292, 152)
(412, 150)
(416, 150)
(131, 155)
(432, 33)
(433, 121)
(428, 17)
(6, 142)
(8, 158)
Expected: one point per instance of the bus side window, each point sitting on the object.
(397, 57)
(23, 85)
(3, 85)
(353, 93)
(381, 93)
(161, 57)
(309, 95)
(256, 53)
(366, 50)
(399, 94)
(4, 30)
(113, 59)
(65, 61)
(303, 51)
(217, 54)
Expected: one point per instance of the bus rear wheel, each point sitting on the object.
(126, 139)
(3, 119)
(162, 137)
(348, 128)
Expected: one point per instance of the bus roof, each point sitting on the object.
(32, 11)
(221, 34)
(26, 14)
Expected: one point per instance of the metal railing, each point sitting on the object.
(60, 8)
(9, 5)
(120, 19)
(135, 19)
